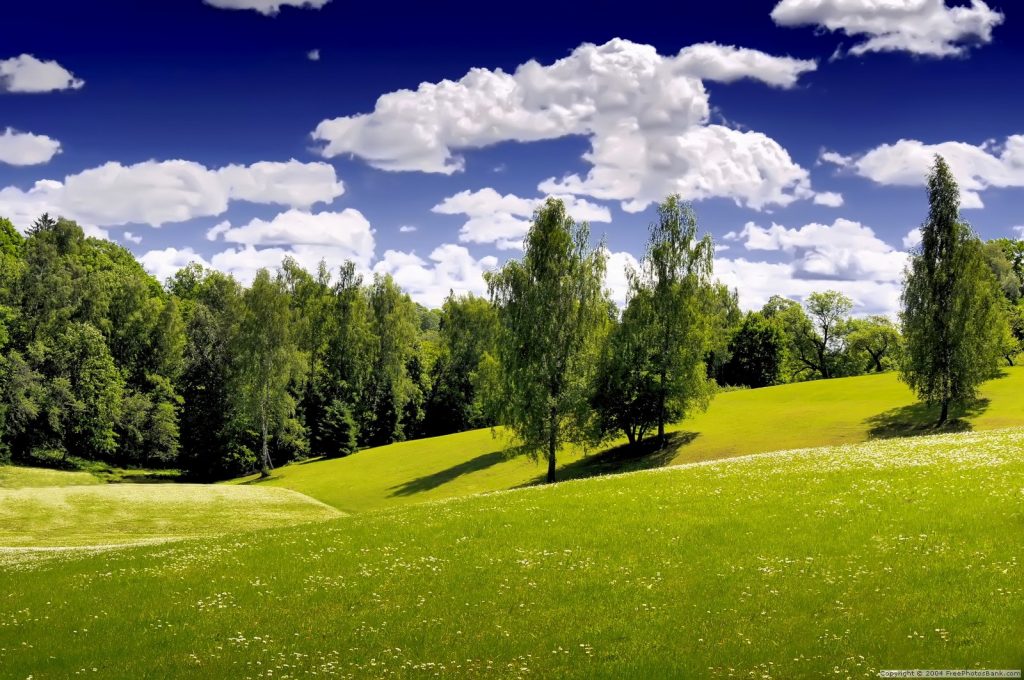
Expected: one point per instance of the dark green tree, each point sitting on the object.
(553, 312)
(757, 352)
(952, 318)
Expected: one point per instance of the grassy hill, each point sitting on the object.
(819, 413)
(900, 553)
(103, 515)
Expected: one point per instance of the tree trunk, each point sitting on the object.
(631, 435)
(552, 444)
(945, 411)
(661, 407)
(265, 465)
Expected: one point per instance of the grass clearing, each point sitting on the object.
(899, 553)
(17, 477)
(819, 413)
(47, 517)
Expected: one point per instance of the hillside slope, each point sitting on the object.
(841, 561)
(820, 413)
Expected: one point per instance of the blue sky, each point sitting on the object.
(233, 132)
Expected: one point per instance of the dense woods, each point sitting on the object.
(100, 361)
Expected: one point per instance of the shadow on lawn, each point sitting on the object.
(646, 455)
(919, 419)
(432, 481)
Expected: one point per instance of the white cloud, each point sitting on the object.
(844, 250)
(27, 74)
(407, 229)
(158, 192)
(924, 27)
(976, 167)
(757, 281)
(845, 256)
(25, 148)
(347, 231)
(164, 263)
(1019, 229)
(504, 220)
(615, 279)
(829, 199)
(451, 268)
(913, 239)
(266, 7)
(646, 116)
(131, 238)
(834, 158)
(725, 64)
(292, 183)
(313, 55)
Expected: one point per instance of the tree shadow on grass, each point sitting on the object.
(920, 419)
(436, 479)
(646, 455)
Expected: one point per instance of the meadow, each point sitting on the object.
(838, 561)
(798, 415)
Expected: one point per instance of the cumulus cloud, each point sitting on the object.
(266, 7)
(976, 167)
(131, 238)
(450, 268)
(913, 239)
(924, 27)
(313, 55)
(348, 231)
(726, 63)
(27, 74)
(845, 255)
(165, 262)
(25, 148)
(158, 192)
(616, 281)
(504, 219)
(407, 229)
(829, 199)
(646, 116)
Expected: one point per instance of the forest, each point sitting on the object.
(99, 361)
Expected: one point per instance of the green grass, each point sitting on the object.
(899, 553)
(820, 413)
(127, 513)
(17, 477)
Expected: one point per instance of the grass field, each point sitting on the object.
(99, 515)
(899, 553)
(14, 477)
(820, 413)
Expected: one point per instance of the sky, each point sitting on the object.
(417, 140)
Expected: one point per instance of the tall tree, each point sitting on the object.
(394, 324)
(757, 352)
(952, 320)
(267, 360)
(676, 273)
(552, 310)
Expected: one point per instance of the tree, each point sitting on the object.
(467, 331)
(726, 317)
(552, 310)
(952, 321)
(815, 341)
(626, 393)
(878, 338)
(757, 352)
(394, 325)
(676, 273)
(266, 360)
(1007, 279)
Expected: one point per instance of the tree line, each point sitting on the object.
(99, 361)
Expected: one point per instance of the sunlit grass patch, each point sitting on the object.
(898, 553)
(128, 513)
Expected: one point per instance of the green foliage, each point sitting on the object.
(338, 435)
(552, 311)
(394, 326)
(468, 332)
(266, 361)
(952, 316)
(675, 275)
(757, 352)
(878, 339)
